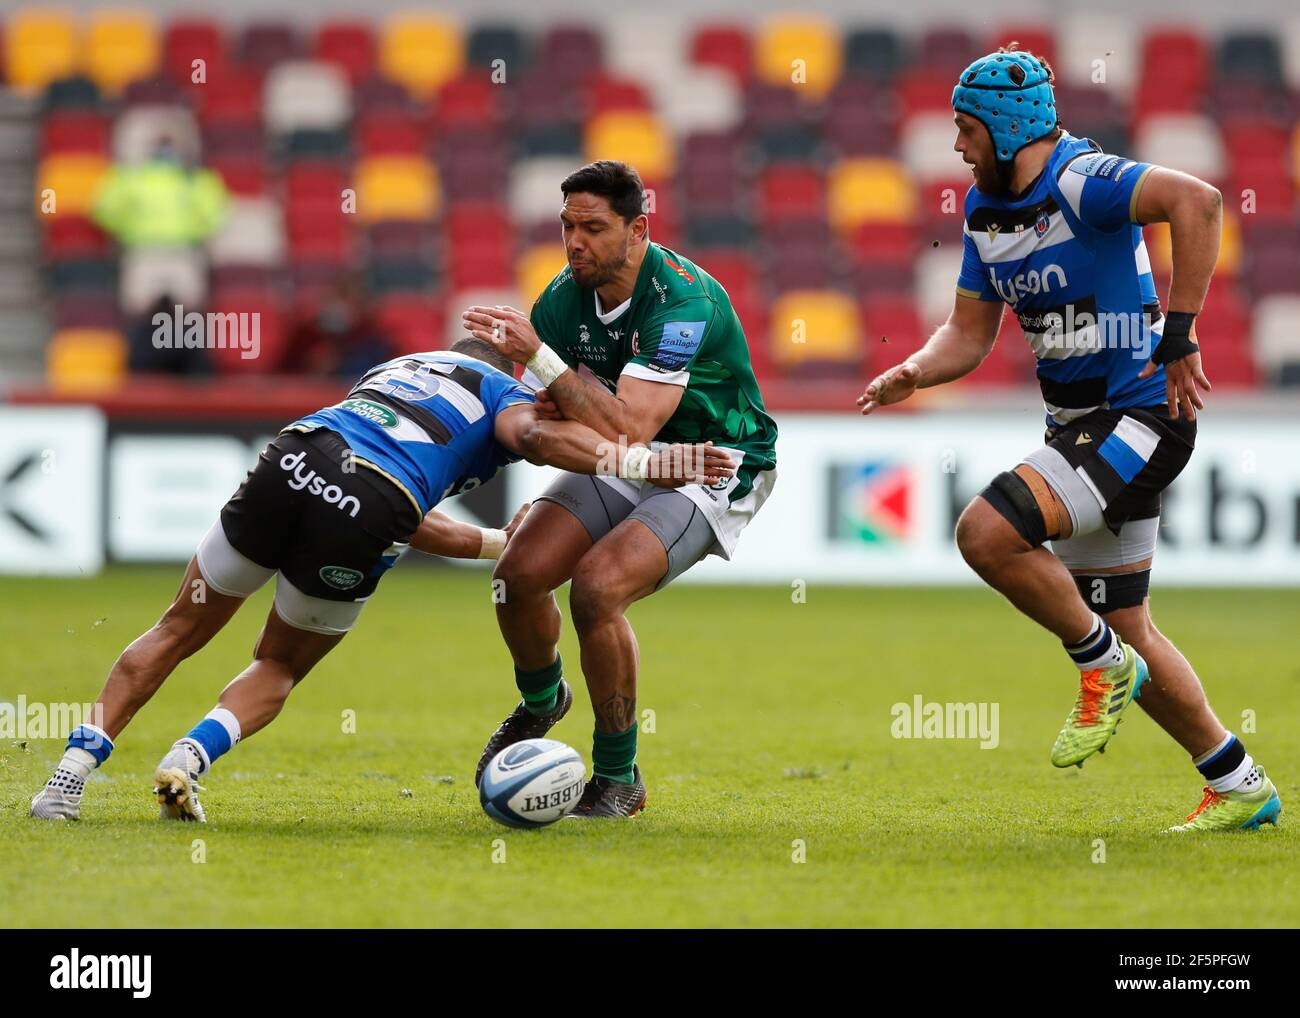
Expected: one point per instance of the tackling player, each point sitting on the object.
(640, 344)
(1053, 228)
(332, 503)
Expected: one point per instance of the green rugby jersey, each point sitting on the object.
(678, 327)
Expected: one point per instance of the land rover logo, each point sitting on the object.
(374, 412)
(340, 578)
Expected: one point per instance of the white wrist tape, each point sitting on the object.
(635, 463)
(494, 543)
(546, 364)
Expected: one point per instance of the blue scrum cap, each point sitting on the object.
(1011, 95)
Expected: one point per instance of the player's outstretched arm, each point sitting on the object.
(1194, 211)
(573, 446)
(439, 534)
(957, 348)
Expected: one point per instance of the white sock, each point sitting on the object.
(1251, 781)
(1099, 649)
(70, 776)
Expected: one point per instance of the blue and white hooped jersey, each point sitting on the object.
(1069, 260)
(427, 420)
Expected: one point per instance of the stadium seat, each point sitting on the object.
(399, 275)
(270, 331)
(66, 131)
(71, 181)
(411, 321)
(244, 174)
(349, 46)
(810, 326)
(726, 47)
(421, 52)
(73, 236)
(233, 97)
(75, 92)
(405, 238)
(306, 95)
(951, 47)
(647, 47)
(187, 40)
(869, 190)
(1038, 39)
(636, 138)
(535, 188)
(791, 191)
(470, 100)
(41, 46)
(233, 139)
(84, 275)
(936, 283)
(925, 146)
(150, 274)
(1181, 141)
(87, 311)
(487, 43)
(121, 48)
(138, 130)
(537, 266)
(253, 234)
(800, 52)
(396, 187)
(1097, 49)
(699, 99)
(85, 360)
(570, 51)
(862, 117)
(1256, 56)
(396, 134)
(264, 44)
(1275, 340)
(878, 54)
(539, 140)
(1175, 72)
(1160, 248)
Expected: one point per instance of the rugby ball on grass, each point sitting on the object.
(532, 783)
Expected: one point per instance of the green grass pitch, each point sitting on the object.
(772, 741)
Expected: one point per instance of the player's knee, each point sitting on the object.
(980, 538)
(594, 595)
(519, 578)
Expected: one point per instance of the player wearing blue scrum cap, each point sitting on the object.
(1053, 229)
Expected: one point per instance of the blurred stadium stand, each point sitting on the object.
(820, 205)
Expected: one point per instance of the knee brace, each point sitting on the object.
(1010, 496)
(1107, 592)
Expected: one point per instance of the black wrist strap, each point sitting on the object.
(1176, 339)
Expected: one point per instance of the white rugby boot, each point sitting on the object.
(176, 783)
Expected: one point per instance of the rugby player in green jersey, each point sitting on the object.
(641, 345)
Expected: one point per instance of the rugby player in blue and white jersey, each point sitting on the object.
(331, 504)
(1053, 228)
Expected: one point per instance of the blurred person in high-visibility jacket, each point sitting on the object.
(163, 202)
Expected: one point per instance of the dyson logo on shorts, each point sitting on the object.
(315, 484)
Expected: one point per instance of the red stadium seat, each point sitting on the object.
(74, 131)
(925, 90)
(189, 39)
(270, 335)
(390, 135)
(234, 97)
(349, 45)
(604, 93)
(469, 101)
(791, 191)
(73, 236)
(727, 47)
(571, 51)
(879, 242)
(412, 322)
(1175, 72)
(1036, 39)
(263, 44)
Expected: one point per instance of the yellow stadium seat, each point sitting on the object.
(869, 190)
(635, 138)
(69, 183)
(814, 325)
(537, 267)
(1160, 247)
(421, 52)
(801, 52)
(40, 46)
(122, 47)
(396, 187)
(81, 360)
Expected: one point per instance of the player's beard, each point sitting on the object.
(996, 179)
(598, 273)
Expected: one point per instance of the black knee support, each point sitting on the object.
(1010, 496)
(1107, 592)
